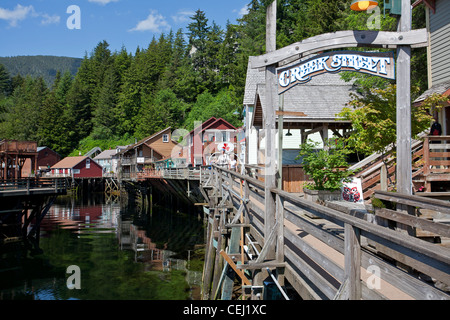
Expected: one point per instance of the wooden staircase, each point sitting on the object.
(431, 169)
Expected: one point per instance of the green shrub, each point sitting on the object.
(327, 167)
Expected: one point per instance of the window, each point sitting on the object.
(88, 163)
(165, 138)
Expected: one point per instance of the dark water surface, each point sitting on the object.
(121, 253)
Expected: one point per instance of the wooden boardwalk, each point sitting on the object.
(32, 186)
(318, 252)
(23, 205)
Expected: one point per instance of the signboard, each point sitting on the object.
(226, 146)
(375, 63)
(352, 191)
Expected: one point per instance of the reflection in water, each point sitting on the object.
(121, 253)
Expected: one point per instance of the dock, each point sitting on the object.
(24, 203)
(320, 252)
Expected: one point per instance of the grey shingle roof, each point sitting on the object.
(107, 154)
(438, 88)
(320, 99)
(254, 77)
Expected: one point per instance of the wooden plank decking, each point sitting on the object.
(316, 241)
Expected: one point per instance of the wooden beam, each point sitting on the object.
(233, 265)
(269, 124)
(263, 265)
(353, 261)
(344, 39)
(404, 167)
(290, 113)
(280, 228)
(413, 221)
(415, 200)
(269, 242)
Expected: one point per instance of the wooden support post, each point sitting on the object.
(404, 165)
(221, 245)
(233, 248)
(426, 163)
(280, 229)
(383, 177)
(324, 134)
(404, 157)
(280, 143)
(240, 273)
(270, 156)
(210, 256)
(353, 261)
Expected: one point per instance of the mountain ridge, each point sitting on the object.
(45, 66)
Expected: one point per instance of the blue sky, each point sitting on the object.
(50, 27)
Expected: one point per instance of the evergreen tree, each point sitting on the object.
(77, 113)
(198, 41)
(104, 121)
(62, 87)
(51, 130)
(178, 56)
(21, 121)
(5, 82)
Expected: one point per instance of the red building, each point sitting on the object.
(77, 167)
(13, 155)
(205, 139)
(46, 158)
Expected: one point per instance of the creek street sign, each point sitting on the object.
(380, 64)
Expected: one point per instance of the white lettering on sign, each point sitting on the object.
(376, 65)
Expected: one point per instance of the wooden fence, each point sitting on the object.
(30, 185)
(321, 252)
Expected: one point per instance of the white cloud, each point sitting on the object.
(155, 22)
(19, 13)
(243, 11)
(183, 16)
(103, 2)
(47, 19)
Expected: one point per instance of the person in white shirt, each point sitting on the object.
(233, 163)
(223, 160)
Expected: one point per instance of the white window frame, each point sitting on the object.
(165, 138)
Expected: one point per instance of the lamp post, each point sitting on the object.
(404, 159)
(359, 5)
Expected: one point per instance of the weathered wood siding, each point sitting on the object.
(294, 178)
(165, 148)
(440, 38)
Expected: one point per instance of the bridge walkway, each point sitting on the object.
(320, 252)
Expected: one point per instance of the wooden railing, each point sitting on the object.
(436, 158)
(29, 184)
(328, 254)
(431, 162)
(191, 173)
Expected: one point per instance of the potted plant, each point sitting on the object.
(326, 167)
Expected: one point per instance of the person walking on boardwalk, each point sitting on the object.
(223, 160)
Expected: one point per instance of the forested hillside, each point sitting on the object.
(180, 77)
(40, 66)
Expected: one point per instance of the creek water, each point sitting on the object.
(120, 252)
